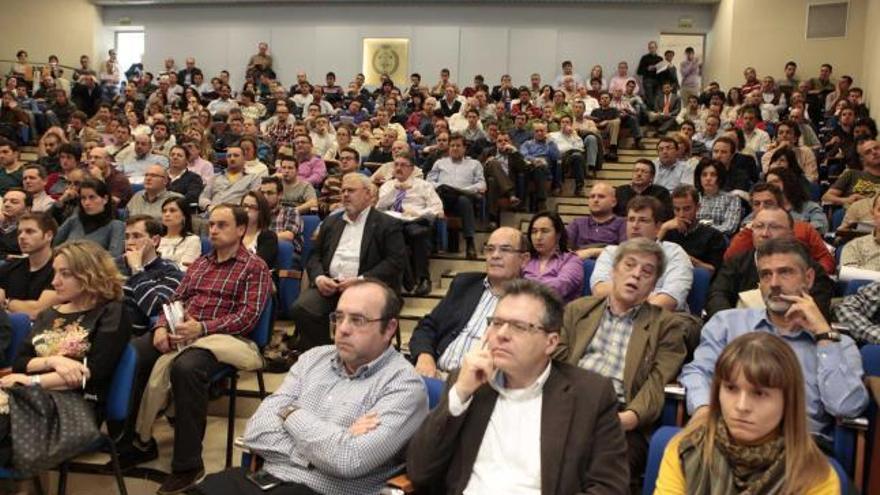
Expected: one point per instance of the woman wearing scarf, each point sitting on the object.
(754, 440)
(94, 219)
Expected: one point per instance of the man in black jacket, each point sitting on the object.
(359, 242)
(740, 273)
(648, 72)
(86, 94)
(444, 337)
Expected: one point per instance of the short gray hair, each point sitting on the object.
(642, 245)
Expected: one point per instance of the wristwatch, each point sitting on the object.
(35, 380)
(831, 335)
(286, 411)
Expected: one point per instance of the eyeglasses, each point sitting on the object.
(356, 321)
(489, 249)
(518, 327)
(772, 227)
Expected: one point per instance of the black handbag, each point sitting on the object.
(49, 427)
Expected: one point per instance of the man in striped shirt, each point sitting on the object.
(222, 293)
(339, 422)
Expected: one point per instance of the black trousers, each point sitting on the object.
(462, 205)
(637, 456)
(311, 315)
(235, 482)
(191, 375)
(417, 234)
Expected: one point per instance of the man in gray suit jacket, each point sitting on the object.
(359, 242)
(512, 418)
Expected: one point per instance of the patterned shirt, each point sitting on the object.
(723, 210)
(313, 445)
(861, 313)
(472, 332)
(226, 297)
(863, 252)
(673, 175)
(606, 353)
(287, 218)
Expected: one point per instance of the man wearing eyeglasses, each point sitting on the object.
(640, 347)
(736, 283)
(344, 412)
(513, 421)
(149, 200)
(458, 322)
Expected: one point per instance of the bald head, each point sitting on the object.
(602, 200)
(506, 254)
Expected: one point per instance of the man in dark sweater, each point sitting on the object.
(643, 185)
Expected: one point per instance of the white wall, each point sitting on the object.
(466, 38)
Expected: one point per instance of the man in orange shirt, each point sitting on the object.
(765, 195)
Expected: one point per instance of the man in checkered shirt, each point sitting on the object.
(345, 412)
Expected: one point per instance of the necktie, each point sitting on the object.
(666, 104)
(398, 200)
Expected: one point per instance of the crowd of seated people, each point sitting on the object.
(136, 173)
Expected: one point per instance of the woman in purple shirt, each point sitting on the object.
(551, 263)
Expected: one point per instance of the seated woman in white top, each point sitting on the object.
(179, 244)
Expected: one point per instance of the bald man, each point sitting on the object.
(136, 167)
(457, 323)
(589, 234)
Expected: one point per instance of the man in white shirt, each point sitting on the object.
(756, 139)
(571, 151)
(223, 104)
(567, 70)
(670, 171)
(33, 181)
(511, 413)
(643, 220)
(414, 201)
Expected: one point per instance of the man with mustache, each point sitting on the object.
(830, 361)
(515, 421)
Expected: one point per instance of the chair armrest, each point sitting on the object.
(858, 424)
(402, 483)
(292, 274)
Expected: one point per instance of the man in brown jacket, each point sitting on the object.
(513, 420)
(638, 346)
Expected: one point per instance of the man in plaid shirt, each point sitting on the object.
(223, 292)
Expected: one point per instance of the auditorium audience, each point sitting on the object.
(179, 244)
(754, 435)
(502, 388)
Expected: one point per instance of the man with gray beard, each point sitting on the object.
(830, 361)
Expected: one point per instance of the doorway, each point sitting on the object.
(129, 48)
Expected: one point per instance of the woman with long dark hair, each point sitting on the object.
(551, 263)
(94, 219)
(179, 244)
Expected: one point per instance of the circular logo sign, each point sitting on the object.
(385, 60)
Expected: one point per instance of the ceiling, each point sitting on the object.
(410, 2)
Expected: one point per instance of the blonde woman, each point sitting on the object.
(81, 340)
(754, 438)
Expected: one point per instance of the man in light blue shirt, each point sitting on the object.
(540, 151)
(830, 362)
(643, 219)
(460, 184)
(670, 171)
